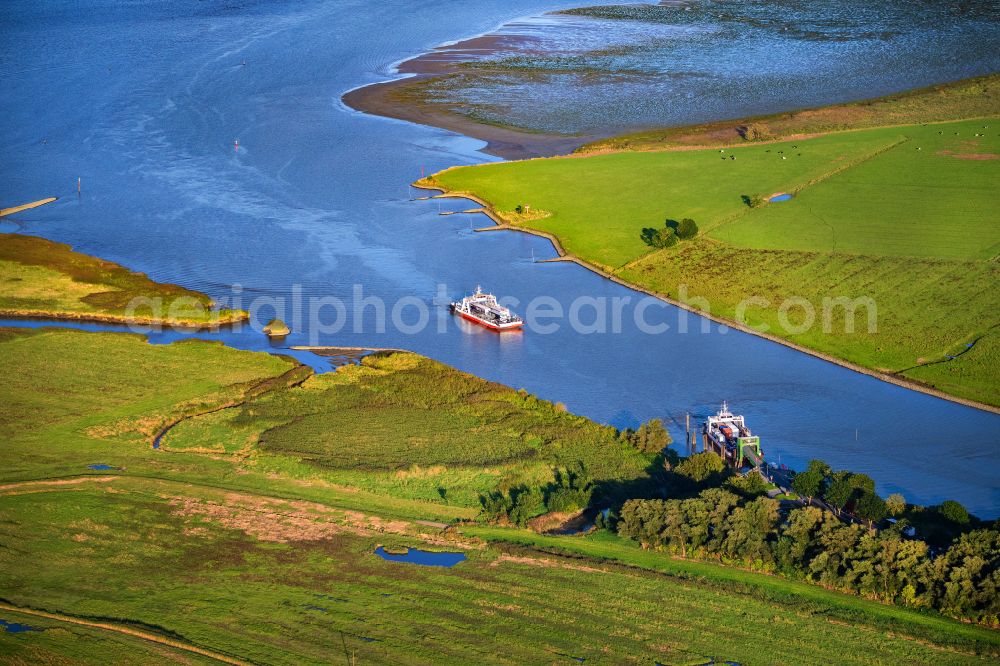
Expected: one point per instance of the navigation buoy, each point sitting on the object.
(78, 185)
(236, 144)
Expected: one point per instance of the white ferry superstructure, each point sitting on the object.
(483, 309)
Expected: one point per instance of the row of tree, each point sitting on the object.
(813, 544)
(703, 509)
(847, 492)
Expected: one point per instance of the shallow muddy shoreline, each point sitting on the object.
(383, 99)
(377, 99)
(903, 382)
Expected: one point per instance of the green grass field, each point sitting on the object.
(258, 544)
(68, 395)
(600, 204)
(872, 216)
(938, 202)
(40, 278)
(391, 425)
(53, 641)
(140, 552)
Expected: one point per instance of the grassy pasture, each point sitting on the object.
(600, 204)
(243, 548)
(41, 278)
(55, 642)
(137, 553)
(971, 371)
(406, 425)
(926, 309)
(72, 398)
(916, 231)
(940, 201)
(398, 425)
(607, 547)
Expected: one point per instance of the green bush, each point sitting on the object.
(954, 512)
(872, 508)
(895, 504)
(748, 486)
(702, 467)
(665, 237)
(755, 132)
(651, 437)
(686, 229)
(570, 492)
(813, 544)
(659, 238)
(811, 482)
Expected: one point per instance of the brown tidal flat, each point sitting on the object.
(404, 99)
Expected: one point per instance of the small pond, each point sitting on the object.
(423, 557)
(16, 627)
(780, 197)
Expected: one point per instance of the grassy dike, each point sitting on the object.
(43, 279)
(904, 216)
(977, 97)
(248, 536)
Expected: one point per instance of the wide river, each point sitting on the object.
(143, 103)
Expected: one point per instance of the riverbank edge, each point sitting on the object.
(897, 380)
(335, 348)
(98, 318)
(223, 317)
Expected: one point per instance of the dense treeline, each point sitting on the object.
(841, 490)
(853, 495)
(736, 525)
(937, 558)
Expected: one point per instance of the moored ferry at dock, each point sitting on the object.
(728, 435)
(483, 309)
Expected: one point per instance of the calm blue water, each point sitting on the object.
(693, 61)
(143, 103)
(16, 627)
(781, 197)
(423, 557)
